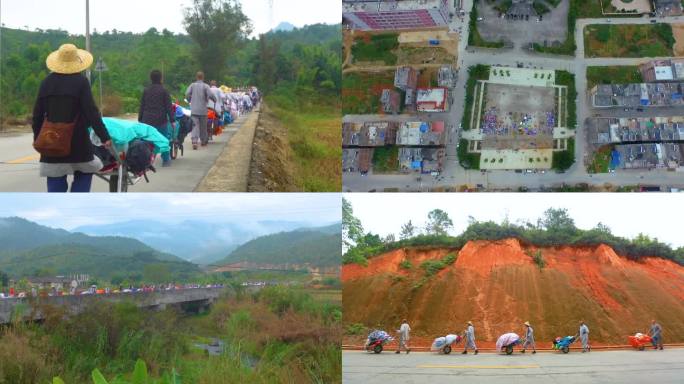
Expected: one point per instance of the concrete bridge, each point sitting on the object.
(190, 300)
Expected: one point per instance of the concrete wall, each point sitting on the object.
(74, 304)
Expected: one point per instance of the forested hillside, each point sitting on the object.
(318, 246)
(306, 58)
(28, 249)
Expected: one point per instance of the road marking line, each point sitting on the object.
(24, 159)
(480, 366)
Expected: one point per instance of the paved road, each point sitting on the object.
(453, 175)
(662, 367)
(19, 166)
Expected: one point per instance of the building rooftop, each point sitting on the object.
(421, 133)
(638, 95)
(431, 99)
(388, 5)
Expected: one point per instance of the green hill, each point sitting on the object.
(27, 248)
(131, 56)
(320, 247)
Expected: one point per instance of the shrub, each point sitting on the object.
(406, 264)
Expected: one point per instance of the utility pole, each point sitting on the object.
(100, 67)
(88, 48)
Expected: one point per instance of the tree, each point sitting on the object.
(218, 27)
(389, 239)
(266, 67)
(600, 227)
(439, 223)
(157, 273)
(557, 220)
(407, 231)
(4, 280)
(352, 230)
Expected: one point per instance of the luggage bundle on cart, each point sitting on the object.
(134, 148)
(640, 341)
(563, 343)
(507, 341)
(444, 344)
(376, 341)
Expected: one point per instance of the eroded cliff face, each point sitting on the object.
(497, 285)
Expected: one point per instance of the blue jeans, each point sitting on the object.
(81, 183)
(166, 131)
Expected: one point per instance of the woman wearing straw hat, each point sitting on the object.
(529, 338)
(65, 102)
(469, 334)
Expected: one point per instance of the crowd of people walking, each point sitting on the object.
(65, 110)
(505, 343)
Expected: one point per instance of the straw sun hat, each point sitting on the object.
(68, 59)
(527, 323)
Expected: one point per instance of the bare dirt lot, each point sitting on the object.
(678, 31)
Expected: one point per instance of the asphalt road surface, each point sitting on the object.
(19, 166)
(662, 367)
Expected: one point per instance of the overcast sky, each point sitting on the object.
(69, 211)
(627, 214)
(141, 15)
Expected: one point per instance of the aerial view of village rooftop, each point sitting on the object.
(513, 95)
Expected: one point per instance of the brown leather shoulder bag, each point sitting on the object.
(54, 139)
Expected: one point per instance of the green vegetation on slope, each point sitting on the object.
(316, 246)
(618, 74)
(29, 249)
(378, 48)
(634, 40)
(275, 335)
(554, 228)
(309, 53)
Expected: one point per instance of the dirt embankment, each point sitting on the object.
(497, 285)
(270, 168)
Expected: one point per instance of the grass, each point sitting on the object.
(466, 159)
(361, 91)
(601, 160)
(638, 40)
(386, 159)
(376, 48)
(563, 160)
(313, 134)
(474, 38)
(621, 74)
(540, 7)
(431, 267)
(568, 79)
(475, 73)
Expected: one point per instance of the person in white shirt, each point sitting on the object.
(470, 339)
(404, 331)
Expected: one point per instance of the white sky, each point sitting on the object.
(627, 214)
(69, 211)
(141, 15)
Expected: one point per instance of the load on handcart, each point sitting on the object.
(134, 147)
(376, 341)
(444, 344)
(507, 341)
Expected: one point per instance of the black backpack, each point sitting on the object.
(139, 156)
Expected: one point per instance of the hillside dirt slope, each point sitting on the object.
(497, 285)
